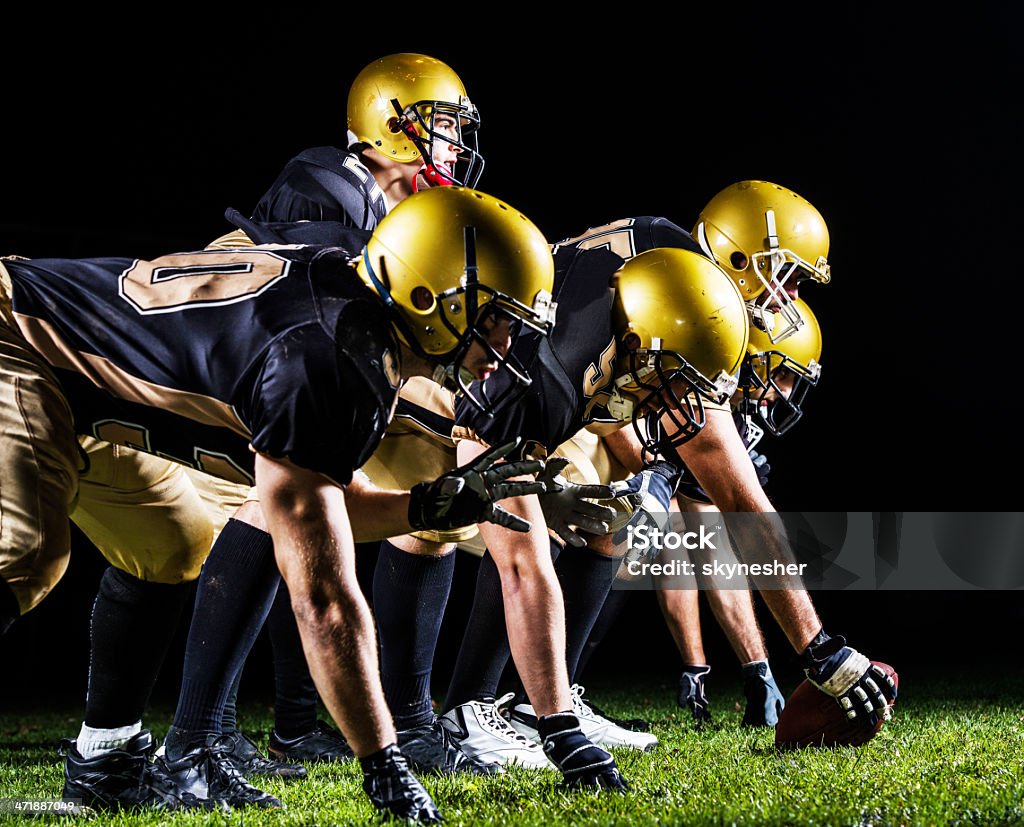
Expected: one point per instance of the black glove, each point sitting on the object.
(761, 466)
(467, 495)
(650, 493)
(862, 689)
(566, 504)
(691, 693)
(582, 762)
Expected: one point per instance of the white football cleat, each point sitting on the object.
(597, 728)
(482, 733)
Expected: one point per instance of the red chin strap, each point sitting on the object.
(432, 176)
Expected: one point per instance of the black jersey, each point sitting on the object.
(628, 237)
(195, 356)
(571, 366)
(324, 184)
(576, 362)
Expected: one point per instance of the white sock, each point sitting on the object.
(92, 742)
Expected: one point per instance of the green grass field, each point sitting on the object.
(953, 754)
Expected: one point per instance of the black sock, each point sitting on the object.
(295, 696)
(586, 578)
(229, 716)
(410, 592)
(10, 610)
(236, 588)
(484, 650)
(133, 623)
(609, 616)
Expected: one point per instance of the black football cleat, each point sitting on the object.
(324, 743)
(209, 773)
(429, 748)
(395, 791)
(123, 779)
(252, 763)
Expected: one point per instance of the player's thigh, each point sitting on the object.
(143, 513)
(39, 463)
(223, 499)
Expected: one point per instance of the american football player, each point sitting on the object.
(669, 337)
(202, 355)
(770, 240)
(411, 125)
(774, 381)
(767, 256)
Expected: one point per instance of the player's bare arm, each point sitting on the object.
(534, 613)
(306, 516)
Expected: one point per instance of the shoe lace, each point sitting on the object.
(492, 721)
(579, 706)
(222, 762)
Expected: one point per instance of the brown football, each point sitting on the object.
(812, 718)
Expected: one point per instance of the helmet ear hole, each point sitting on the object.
(738, 261)
(421, 298)
(631, 341)
(394, 126)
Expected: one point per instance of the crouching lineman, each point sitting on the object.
(277, 366)
(768, 240)
(774, 382)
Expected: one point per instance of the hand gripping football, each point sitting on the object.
(812, 718)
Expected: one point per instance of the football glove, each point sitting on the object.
(581, 762)
(862, 689)
(566, 504)
(649, 493)
(764, 700)
(467, 495)
(691, 693)
(761, 466)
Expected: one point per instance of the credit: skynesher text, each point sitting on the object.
(677, 568)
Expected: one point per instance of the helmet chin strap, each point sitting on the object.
(432, 176)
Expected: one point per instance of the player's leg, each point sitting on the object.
(410, 592)
(39, 464)
(236, 588)
(143, 515)
(586, 576)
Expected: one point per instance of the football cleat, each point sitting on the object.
(122, 779)
(324, 743)
(597, 728)
(208, 772)
(393, 789)
(251, 762)
(483, 734)
(430, 748)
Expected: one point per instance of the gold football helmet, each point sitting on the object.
(776, 377)
(393, 104)
(767, 238)
(681, 331)
(448, 262)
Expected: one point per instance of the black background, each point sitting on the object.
(904, 133)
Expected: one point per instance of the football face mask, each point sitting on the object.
(666, 396)
(446, 136)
